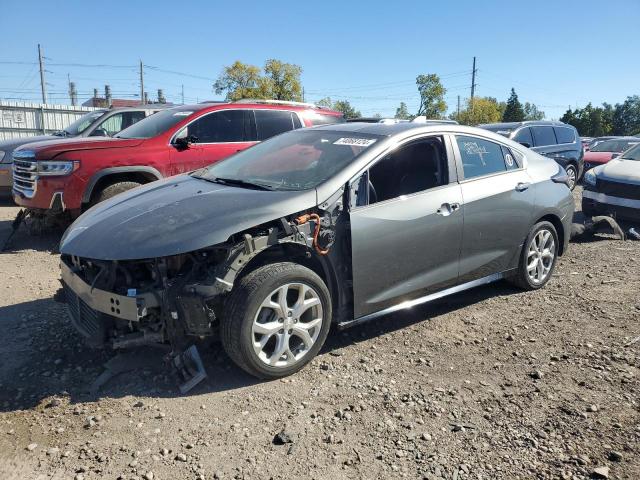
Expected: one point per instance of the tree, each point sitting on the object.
(514, 111)
(626, 117)
(483, 110)
(347, 110)
(432, 104)
(239, 80)
(281, 81)
(402, 112)
(341, 106)
(531, 112)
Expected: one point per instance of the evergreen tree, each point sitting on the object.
(514, 111)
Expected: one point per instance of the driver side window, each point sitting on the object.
(412, 168)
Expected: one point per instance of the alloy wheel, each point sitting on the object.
(540, 256)
(287, 324)
(572, 174)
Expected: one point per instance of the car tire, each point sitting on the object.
(572, 173)
(257, 333)
(113, 190)
(535, 254)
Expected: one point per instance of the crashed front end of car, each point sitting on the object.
(171, 299)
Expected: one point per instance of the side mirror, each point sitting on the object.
(183, 143)
(99, 132)
(525, 144)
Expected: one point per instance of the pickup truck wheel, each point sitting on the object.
(276, 320)
(113, 190)
(538, 257)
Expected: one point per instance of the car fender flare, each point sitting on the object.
(95, 178)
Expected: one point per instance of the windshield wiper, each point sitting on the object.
(237, 182)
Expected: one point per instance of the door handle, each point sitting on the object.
(522, 186)
(447, 209)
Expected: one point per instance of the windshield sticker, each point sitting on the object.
(355, 142)
(182, 114)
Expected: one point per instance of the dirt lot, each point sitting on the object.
(493, 383)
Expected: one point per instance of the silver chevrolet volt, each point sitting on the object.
(337, 224)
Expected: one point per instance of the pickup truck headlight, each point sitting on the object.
(590, 178)
(57, 167)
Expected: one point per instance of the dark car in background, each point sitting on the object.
(98, 123)
(605, 150)
(555, 140)
(334, 225)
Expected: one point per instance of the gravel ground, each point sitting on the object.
(492, 383)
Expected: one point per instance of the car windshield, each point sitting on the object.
(297, 160)
(155, 124)
(632, 154)
(615, 146)
(80, 125)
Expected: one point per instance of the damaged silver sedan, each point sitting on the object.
(331, 225)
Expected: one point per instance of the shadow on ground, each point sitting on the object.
(46, 357)
(26, 237)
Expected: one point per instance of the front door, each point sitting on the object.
(406, 235)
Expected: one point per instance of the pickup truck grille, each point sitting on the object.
(25, 177)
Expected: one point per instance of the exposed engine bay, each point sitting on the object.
(178, 300)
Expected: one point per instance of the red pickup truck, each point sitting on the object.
(68, 176)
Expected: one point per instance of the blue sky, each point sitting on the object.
(554, 53)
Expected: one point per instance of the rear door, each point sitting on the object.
(406, 233)
(498, 200)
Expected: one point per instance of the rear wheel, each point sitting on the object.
(538, 258)
(572, 173)
(113, 190)
(276, 320)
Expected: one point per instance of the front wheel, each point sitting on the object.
(572, 174)
(538, 258)
(276, 320)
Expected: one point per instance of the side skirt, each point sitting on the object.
(419, 301)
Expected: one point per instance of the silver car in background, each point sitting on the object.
(336, 224)
(104, 122)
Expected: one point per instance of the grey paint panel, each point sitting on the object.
(403, 248)
(172, 216)
(497, 219)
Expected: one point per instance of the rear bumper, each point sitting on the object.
(616, 207)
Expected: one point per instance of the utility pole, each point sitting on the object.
(303, 94)
(73, 94)
(458, 114)
(42, 84)
(183, 94)
(473, 81)
(142, 99)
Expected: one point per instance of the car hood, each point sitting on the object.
(176, 215)
(627, 171)
(7, 145)
(597, 157)
(51, 148)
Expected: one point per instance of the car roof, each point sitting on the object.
(257, 104)
(391, 129)
(514, 125)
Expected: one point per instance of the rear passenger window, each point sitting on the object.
(510, 160)
(324, 119)
(564, 134)
(524, 136)
(480, 157)
(273, 122)
(544, 136)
